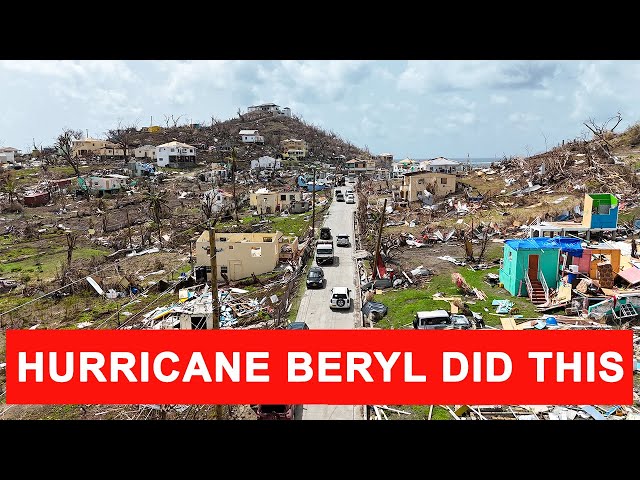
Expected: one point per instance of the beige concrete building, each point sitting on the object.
(238, 255)
(92, 146)
(272, 202)
(384, 161)
(292, 148)
(415, 183)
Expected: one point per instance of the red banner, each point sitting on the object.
(400, 367)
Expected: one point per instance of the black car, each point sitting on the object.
(298, 326)
(315, 277)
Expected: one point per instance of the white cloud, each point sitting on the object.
(498, 99)
(423, 75)
(523, 117)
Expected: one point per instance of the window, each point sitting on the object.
(230, 247)
(510, 256)
(283, 197)
(224, 269)
(443, 180)
(292, 197)
(256, 251)
(173, 149)
(421, 181)
(222, 239)
(267, 239)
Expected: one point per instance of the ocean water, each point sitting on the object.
(476, 162)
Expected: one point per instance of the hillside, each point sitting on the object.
(218, 134)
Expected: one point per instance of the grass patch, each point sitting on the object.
(45, 266)
(418, 412)
(403, 304)
(293, 224)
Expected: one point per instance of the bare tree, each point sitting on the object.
(233, 167)
(64, 144)
(124, 137)
(72, 237)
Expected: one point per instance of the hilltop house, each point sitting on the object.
(270, 107)
(238, 255)
(294, 148)
(267, 202)
(88, 147)
(251, 136)
(414, 185)
(175, 154)
(266, 162)
(441, 165)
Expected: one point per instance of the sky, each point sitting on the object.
(411, 108)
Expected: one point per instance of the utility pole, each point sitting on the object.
(377, 255)
(215, 305)
(313, 203)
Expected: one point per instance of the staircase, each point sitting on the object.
(537, 292)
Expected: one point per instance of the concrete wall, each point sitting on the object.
(240, 254)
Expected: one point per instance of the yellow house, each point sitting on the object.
(272, 202)
(238, 255)
(292, 148)
(415, 183)
(93, 146)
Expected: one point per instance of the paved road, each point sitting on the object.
(314, 306)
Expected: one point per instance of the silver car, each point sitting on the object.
(342, 240)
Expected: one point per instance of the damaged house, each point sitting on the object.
(600, 214)
(240, 255)
(421, 185)
(266, 202)
(531, 266)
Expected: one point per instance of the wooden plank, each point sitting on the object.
(508, 323)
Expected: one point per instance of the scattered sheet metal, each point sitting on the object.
(95, 285)
(452, 260)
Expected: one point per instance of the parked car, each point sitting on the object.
(298, 326)
(440, 320)
(315, 277)
(325, 233)
(350, 199)
(339, 197)
(276, 412)
(341, 297)
(342, 240)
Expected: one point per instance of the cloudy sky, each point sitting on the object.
(414, 109)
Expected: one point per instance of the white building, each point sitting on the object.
(441, 165)
(251, 136)
(175, 154)
(145, 151)
(219, 199)
(8, 154)
(270, 107)
(266, 162)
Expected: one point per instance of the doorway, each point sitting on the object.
(533, 267)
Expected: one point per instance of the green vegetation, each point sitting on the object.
(47, 263)
(629, 215)
(418, 412)
(294, 224)
(297, 298)
(403, 304)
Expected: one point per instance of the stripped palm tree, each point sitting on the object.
(10, 187)
(157, 204)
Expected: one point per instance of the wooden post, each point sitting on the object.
(215, 305)
(377, 253)
(313, 203)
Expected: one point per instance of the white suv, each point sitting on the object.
(340, 297)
